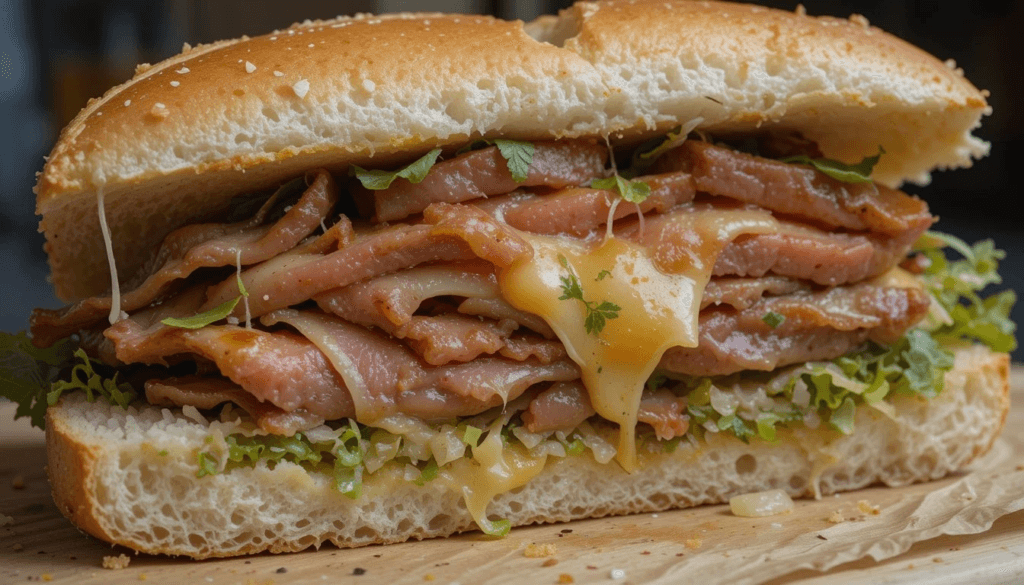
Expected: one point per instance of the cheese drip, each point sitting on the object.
(658, 291)
(493, 470)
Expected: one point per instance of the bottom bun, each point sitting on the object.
(129, 476)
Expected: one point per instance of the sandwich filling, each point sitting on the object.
(462, 320)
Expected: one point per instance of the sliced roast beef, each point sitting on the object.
(199, 246)
(208, 393)
(482, 173)
(565, 405)
(579, 211)
(740, 293)
(815, 326)
(454, 232)
(797, 190)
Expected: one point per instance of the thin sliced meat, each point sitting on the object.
(209, 393)
(578, 211)
(816, 325)
(740, 293)
(498, 309)
(454, 232)
(451, 337)
(383, 375)
(198, 246)
(390, 301)
(484, 172)
(788, 249)
(523, 347)
(565, 405)
(797, 190)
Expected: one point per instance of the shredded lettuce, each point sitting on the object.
(840, 171)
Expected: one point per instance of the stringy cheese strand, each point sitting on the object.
(115, 285)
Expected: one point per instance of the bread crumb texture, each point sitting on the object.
(108, 477)
(536, 551)
(115, 563)
(379, 91)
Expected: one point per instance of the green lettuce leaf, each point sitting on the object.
(415, 172)
(27, 373)
(85, 378)
(847, 173)
(205, 318)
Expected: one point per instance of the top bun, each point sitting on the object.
(181, 138)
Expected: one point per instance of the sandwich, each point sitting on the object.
(390, 277)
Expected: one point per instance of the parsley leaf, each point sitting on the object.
(630, 190)
(26, 373)
(603, 275)
(773, 319)
(518, 155)
(84, 377)
(415, 172)
(858, 173)
(597, 313)
(201, 320)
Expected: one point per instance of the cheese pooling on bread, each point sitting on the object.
(470, 302)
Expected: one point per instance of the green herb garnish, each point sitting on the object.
(518, 156)
(840, 171)
(415, 172)
(205, 318)
(630, 190)
(773, 319)
(597, 313)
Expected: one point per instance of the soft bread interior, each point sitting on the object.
(249, 114)
(129, 477)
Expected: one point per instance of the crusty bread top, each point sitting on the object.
(181, 138)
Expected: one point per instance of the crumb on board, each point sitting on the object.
(119, 562)
(550, 562)
(566, 578)
(536, 551)
(867, 508)
(5, 520)
(693, 543)
(937, 560)
(143, 576)
(17, 547)
(429, 577)
(46, 577)
(18, 482)
(835, 518)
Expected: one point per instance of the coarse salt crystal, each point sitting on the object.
(249, 67)
(183, 70)
(301, 88)
(369, 85)
(278, 74)
(617, 574)
(127, 103)
(175, 83)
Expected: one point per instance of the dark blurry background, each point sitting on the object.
(56, 54)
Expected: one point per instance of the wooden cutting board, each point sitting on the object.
(41, 545)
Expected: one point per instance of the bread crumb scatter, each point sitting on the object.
(18, 482)
(536, 551)
(566, 578)
(5, 520)
(249, 67)
(549, 563)
(114, 563)
(866, 508)
(835, 518)
(429, 577)
(693, 543)
(301, 88)
(143, 576)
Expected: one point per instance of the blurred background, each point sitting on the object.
(56, 54)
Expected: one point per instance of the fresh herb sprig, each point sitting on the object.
(597, 313)
(840, 171)
(630, 189)
(415, 172)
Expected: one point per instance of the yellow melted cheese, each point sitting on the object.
(493, 470)
(659, 300)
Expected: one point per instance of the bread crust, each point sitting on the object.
(133, 483)
(181, 138)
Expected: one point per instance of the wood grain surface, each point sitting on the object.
(40, 545)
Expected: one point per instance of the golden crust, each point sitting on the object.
(182, 137)
(69, 464)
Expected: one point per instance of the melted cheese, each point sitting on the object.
(659, 300)
(115, 284)
(493, 470)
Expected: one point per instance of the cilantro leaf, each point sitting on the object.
(597, 313)
(773, 319)
(203, 319)
(415, 172)
(518, 155)
(840, 171)
(26, 373)
(630, 190)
